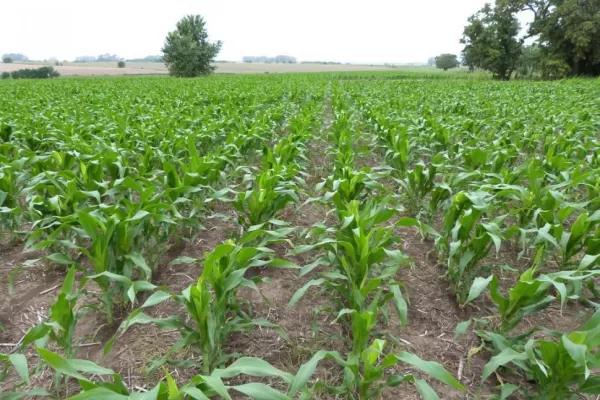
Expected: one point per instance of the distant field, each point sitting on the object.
(100, 68)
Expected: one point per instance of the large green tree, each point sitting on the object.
(187, 51)
(568, 32)
(491, 42)
(446, 61)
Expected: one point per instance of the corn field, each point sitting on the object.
(348, 236)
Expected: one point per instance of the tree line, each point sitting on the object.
(565, 37)
(31, 73)
(270, 60)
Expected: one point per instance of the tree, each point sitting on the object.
(5, 75)
(187, 50)
(39, 73)
(121, 64)
(107, 57)
(84, 59)
(7, 60)
(16, 57)
(431, 61)
(491, 42)
(446, 61)
(568, 32)
(530, 61)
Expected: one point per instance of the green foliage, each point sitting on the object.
(561, 365)
(362, 264)
(271, 191)
(38, 73)
(121, 64)
(102, 177)
(530, 62)
(212, 303)
(529, 295)
(467, 239)
(567, 31)
(7, 60)
(491, 43)
(446, 61)
(555, 69)
(187, 51)
(5, 75)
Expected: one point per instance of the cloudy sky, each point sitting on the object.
(374, 31)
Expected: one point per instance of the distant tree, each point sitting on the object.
(431, 61)
(16, 57)
(446, 61)
(554, 68)
(38, 73)
(264, 59)
(491, 42)
(7, 60)
(84, 59)
(5, 75)
(530, 61)
(107, 57)
(187, 50)
(146, 59)
(121, 64)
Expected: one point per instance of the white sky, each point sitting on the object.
(373, 31)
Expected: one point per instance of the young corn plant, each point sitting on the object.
(416, 185)
(358, 252)
(113, 248)
(530, 295)
(561, 366)
(212, 303)
(466, 240)
(285, 152)
(271, 192)
(365, 366)
(10, 209)
(569, 243)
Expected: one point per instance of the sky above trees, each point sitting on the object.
(377, 31)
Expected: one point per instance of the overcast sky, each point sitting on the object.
(374, 31)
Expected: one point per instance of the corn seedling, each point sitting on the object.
(212, 303)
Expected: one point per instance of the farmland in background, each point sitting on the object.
(165, 228)
(150, 68)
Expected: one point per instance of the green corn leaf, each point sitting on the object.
(59, 364)
(156, 298)
(462, 328)
(60, 258)
(151, 394)
(27, 393)
(138, 216)
(591, 385)
(426, 391)
(139, 261)
(194, 393)
(431, 368)
(507, 390)
(400, 304)
(217, 385)
(99, 393)
(253, 367)
(89, 367)
(307, 370)
(260, 391)
(19, 362)
(506, 356)
(478, 286)
(300, 292)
